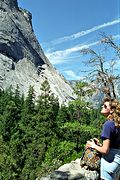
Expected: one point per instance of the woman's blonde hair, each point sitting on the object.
(115, 110)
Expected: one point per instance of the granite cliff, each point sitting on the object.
(22, 60)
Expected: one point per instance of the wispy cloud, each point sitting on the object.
(58, 57)
(82, 33)
(72, 75)
(61, 55)
(66, 56)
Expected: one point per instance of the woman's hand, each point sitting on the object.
(90, 144)
(96, 141)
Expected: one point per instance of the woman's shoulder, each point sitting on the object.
(108, 128)
(109, 123)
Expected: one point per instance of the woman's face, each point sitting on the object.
(106, 109)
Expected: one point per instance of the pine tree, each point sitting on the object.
(47, 108)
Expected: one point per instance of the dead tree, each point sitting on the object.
(104, 77)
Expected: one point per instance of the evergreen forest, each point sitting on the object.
(38, 135)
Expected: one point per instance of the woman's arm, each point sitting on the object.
(104, 149)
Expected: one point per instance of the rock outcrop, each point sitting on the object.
(22, 60)
(72, 171)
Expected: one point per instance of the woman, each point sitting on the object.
(110, 149)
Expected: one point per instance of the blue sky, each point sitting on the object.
(64, 27)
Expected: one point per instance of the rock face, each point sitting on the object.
(72, 171)
(22, 60)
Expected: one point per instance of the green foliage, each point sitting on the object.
(38, 136)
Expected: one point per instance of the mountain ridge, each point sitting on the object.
(22, 60)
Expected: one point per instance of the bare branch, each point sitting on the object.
(102, 75)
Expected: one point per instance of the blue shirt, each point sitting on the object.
(110, 131)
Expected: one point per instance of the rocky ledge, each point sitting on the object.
(72, 171)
